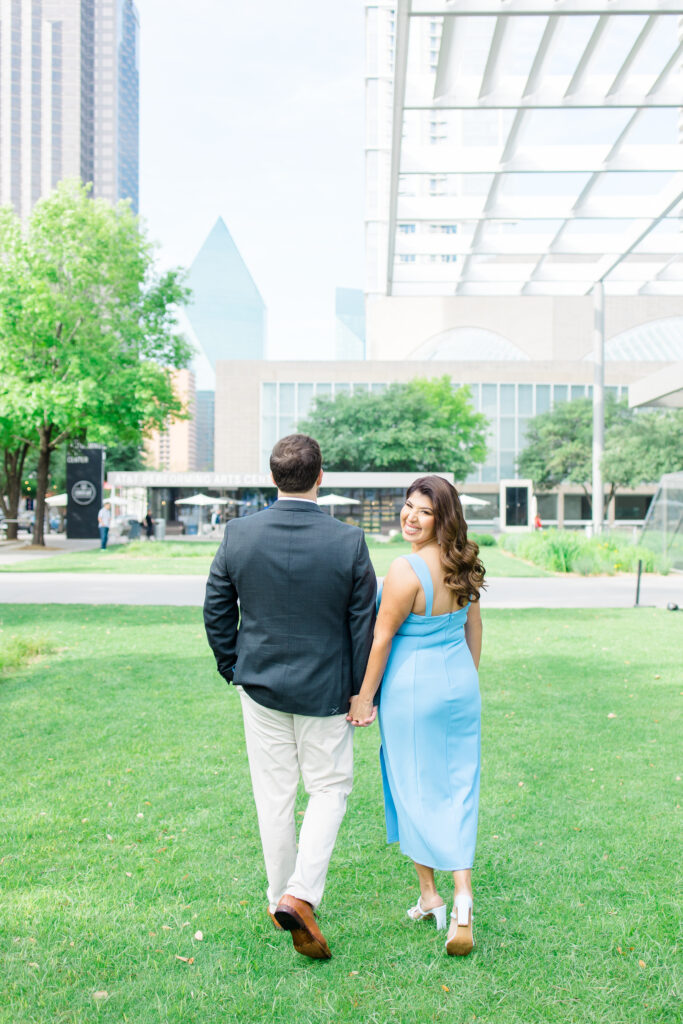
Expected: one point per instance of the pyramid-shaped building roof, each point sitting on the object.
(227, 312)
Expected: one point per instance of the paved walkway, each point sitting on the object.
(525, 592)
(13, 551)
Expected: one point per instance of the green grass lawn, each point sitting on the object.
(127, 827)
(168, 557)
(194, 557)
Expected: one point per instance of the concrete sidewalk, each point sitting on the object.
(13, 551)
(524, 592)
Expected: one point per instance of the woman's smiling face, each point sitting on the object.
(417, 519)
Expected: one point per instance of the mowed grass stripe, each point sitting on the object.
(128, 826)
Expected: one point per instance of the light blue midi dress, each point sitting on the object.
(430, 721)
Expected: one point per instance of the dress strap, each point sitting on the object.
(421, 570)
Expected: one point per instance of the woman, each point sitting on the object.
(426, 652)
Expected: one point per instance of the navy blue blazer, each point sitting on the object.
(300, 639)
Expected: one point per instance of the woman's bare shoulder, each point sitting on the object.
(400, 574)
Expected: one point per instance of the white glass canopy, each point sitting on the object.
(530, 147)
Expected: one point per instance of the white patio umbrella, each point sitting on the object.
(57, 500)
(467, 499)
(205, 501)
(201, 500)
(337, 499)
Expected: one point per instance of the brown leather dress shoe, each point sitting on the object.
(276, 923)
(297, 917)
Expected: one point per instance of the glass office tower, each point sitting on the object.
(226, 312)
(68, 98)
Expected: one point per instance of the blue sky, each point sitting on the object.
(255, 113)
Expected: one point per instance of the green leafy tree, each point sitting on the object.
(13, 453)
(639, 450)
(559, 445)
(87, 329)
(422, 426)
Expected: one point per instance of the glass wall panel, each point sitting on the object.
(475, 392)
(286, 425)
(547, 506)
(269, 434)
(304, 399)
(507, 399)
(341, 389)
(631, 506)
(287, 395)
(560, 393)
(377, 389)
(507, 465)
(268, 399)
(323, 389)
(358, 387)
(522, 424)
(507, 432)
(542, 398)
(489, 399)
(578, 391)
(612, 391)
(525, 399)
(577, 506)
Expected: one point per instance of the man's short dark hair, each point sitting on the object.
(295, 462)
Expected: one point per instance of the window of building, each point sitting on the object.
(489, 399)
(631, 506)
(547, 507)
(542, 398)
(577, 507)
(507, 399)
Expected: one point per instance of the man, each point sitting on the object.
(104, 522)
(297, 650)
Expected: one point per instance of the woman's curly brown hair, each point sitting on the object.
(463, 572)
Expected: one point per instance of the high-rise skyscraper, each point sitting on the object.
(226, 312)
(68, 98)
(204, 428)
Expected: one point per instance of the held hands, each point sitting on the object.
(361, 711)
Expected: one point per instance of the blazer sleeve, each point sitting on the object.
(221, 613)
(361, 614)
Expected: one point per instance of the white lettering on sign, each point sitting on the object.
(83, 492)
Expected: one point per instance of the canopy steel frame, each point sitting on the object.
(490, 252)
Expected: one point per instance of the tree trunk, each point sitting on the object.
(13, 462)
(41, 485)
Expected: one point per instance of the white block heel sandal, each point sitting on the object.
(417, 913)
(461, 942)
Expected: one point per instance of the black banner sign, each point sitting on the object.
(84, 479)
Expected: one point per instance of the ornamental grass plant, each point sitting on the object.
(571, 551)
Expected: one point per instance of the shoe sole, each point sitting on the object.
(460, 945)
(304, 941)
(276, 923)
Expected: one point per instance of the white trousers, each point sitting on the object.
(279, 747)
